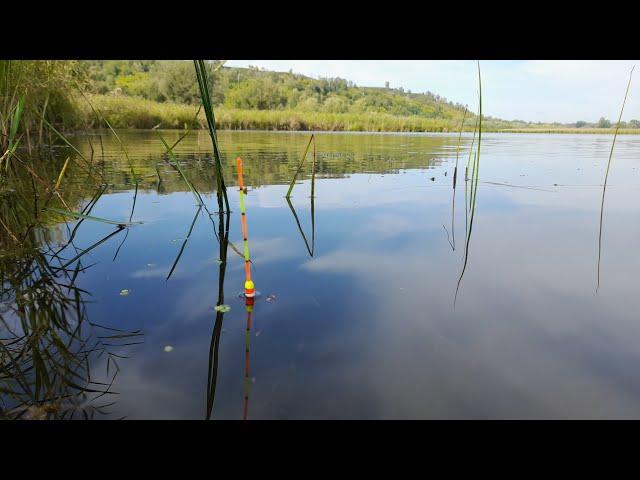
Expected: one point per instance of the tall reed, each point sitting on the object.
(471, 207)
(606, 175)
(203, 84)
(312, 139)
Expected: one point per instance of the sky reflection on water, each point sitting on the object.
(367, 328)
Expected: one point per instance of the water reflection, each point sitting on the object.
(48, 345)
(247, 352)
(212, 375)
(311, 247)
(359, 323)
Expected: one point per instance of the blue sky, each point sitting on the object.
(532, 90)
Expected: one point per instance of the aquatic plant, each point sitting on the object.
(207, 105)
(214, 347)
(606, 176)
(12, 140)
(312, 139)
(175, 164)
(310, 248)
(48, 344)
(455, 171)
(452, 241)
(120, 223)
(471, 206)
(30, 92)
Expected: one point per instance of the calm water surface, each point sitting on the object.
(365, 327)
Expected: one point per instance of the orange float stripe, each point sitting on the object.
(245, 234)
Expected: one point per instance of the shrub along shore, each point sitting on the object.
(129, 112)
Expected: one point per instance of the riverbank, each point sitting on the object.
(136, 113)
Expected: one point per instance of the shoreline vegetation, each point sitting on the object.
(44, 100)
(124, 112)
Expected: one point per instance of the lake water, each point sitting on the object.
(356, 316)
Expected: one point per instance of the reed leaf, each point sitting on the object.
(203, 84)
(606, 175)
(64, 169)
(301, 164)
(474, 188)
(69, 213)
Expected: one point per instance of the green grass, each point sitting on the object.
(131, 112)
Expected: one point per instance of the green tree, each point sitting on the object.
(604, 123)
(335, 104)
(138, 84)
(177, 83)
(260, 94)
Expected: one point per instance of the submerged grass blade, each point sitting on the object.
(69, 213)
(606, 175)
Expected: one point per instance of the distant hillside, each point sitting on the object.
(250, 98)
(254, 89)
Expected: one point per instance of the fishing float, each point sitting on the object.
(249, 288)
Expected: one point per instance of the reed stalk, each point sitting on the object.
(312, 139)
(606, 175)
(474, 188)
(203, 84)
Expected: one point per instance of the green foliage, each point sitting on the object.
(258, 94)
(254, 89)
(45, 88)
(145, 93)
(604, 123)
(138, 84)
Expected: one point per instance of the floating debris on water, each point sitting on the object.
(124, 292)
(271, 297)
(168, 348)
(222, 308)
